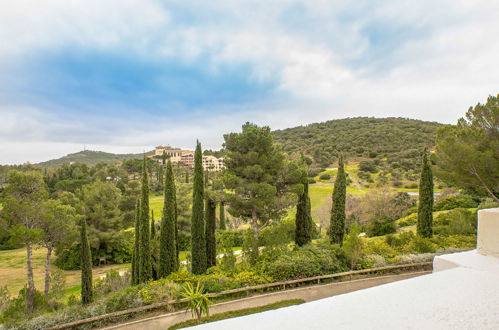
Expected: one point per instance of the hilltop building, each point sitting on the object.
(186, 157)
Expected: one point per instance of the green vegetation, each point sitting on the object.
(467, 155)
(241, 312)
(397, 139)
(86, 267)
(89, 157)
(303, 219)
(425, 205)
(197, 300)
(144, 266)
(210, 226)
(198, 239)
(337, 226)
(168, 243)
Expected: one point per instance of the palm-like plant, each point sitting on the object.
(198, 301)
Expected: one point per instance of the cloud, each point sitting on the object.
(132, 74)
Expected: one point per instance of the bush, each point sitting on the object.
(313, 172)
(366, 166)
(325, 176)
(421, 245)
(453, 202)
(381, 226)
(488, 203)
(14, 310)
(305, 261)
(379, 247)
(112, 282)
(400, 240)
(456, 222)
(409, 220)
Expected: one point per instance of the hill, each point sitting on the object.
(359, 138)
(90, 157)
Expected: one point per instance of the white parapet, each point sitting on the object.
(488, 232)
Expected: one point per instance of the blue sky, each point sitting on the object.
(124, 76)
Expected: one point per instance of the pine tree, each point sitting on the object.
(211, 248)
(337, 226)
(153, 225)
(144, 265)
(303, 221)
(86, 266)
(198, 243)
(167, 241)
(425, 207)
(135, 255)
(222, 215)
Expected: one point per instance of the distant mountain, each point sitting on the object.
(359, 138)
(90, 157)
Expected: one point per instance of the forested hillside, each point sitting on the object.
(360, 137)
(90, 157)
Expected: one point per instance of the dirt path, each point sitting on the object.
(309, 293)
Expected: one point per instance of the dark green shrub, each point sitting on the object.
(456, 222)
(488, 203)
(366, 166)
(380, 226)
(421, 245)
(313, 172)
(325, 176)
(399, 240)
(453, 202)
(306, 261)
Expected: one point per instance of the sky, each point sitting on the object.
(126, 75)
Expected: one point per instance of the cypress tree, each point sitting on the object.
(222, 215)
(211, 248)
(186, 176)
(198, 241)
(337, 226)
(86, 266)
(144, 265)
(153, 225)
(425, 207)
(303, 221)
(135, 255)
(167, 241)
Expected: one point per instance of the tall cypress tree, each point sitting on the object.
(337, 226)
(135, 255)
(303, 221)
(86, 266)
(167, 241)
(153, 224)
(144, 265)
(425, 207)
(198, 241)
(222, 216)
(211, 248)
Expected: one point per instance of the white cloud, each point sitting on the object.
(448, 64)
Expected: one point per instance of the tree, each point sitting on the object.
(58, 223)
(153, 225)
(198, 240)
(353, 246)
(303, 220)
(197, 301)
(86, 266)
(337, 226)
(467, 155)
(144, 260)
(222, 216)
(255, 174)
(22, 208)
(167, 240)
(425, 206)
(135, 256)
(210, 218)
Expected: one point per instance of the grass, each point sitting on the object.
(241, 312)
(13, 271)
